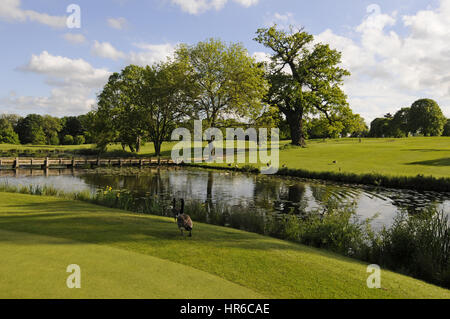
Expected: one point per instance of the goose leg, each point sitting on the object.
(190, 233)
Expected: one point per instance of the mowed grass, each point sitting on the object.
(125, 255)
(428, 156)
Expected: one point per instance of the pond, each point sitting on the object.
(231, 189)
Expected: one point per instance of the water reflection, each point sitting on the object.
(230, 189)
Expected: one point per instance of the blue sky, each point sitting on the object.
(397, 51)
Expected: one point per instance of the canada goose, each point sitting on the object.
(184, 221)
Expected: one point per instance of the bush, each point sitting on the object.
(417, 245)
(79, 140)
(68, 140)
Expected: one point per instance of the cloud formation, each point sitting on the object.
(390, 70)
(201, 6)
(106, 50)
(73, 83)
(74, 38)
(117, 23)
(11, 11)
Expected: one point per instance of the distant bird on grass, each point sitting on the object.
(184, 221)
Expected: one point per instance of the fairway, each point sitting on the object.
(40, 264)
(429, 156)
(125, 255)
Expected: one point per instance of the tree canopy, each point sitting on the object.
(426, 118)
(225, 80)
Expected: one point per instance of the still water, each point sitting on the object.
(270, 193)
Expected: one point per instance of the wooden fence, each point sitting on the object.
(45, 163)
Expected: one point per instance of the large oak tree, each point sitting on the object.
(305, 77)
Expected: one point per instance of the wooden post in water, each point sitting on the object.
(47, 164)
(16, 163)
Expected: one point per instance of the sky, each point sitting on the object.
(397, 50)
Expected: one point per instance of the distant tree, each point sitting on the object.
(54, 139)
(71, 125)
(342, 124)
(68, 140)
(79, 140)
(380, 127)
(400, 123)
(312, 82)
(446, 128)
(270, 118)
(426, 118)
(30, 130)
(224, 80)
(51, 127)
(7, 134)
(12, 118)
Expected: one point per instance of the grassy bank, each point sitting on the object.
(117, 251)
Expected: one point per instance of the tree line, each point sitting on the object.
(44, 130)
(424, 117)
(298, 89)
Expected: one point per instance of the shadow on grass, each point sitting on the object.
(437, 162)
(426, 150)
(99, 225)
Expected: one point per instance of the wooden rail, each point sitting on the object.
(44, 163)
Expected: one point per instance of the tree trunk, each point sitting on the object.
(158, 150)
(295, 120)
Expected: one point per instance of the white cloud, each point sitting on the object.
(152, 53)
(201, 6)
(73, 83)
(118, 23)
(390, 71)
(282, 20)
(11, 11)
(74, 38)
(106, 50)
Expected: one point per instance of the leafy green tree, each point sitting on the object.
(13, 119)
(68, 140)
(119, 116)
(305, 78)
(400, 123)
(7, 134)
(426, 118)
(79, 140)
(165, 91)
(71, 125)
(446, 128)
(224, 80)
(51, 127)
(30, 130)
(380, 127)
(54, 139)
(141, 103)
